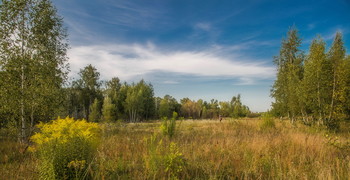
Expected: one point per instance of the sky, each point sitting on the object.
(201, 49)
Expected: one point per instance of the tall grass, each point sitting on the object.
(228, 150)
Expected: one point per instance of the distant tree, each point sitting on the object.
(214, 109)
(164, 108)
(112, 88)
(204, 112)
(89, 84)
(167, 106)
(225, 109)
(113, 92)
(237, 107)
(245, 111)
(148, 100)
(199, 105)
(139, 102)
(108, 110)
(95, 111)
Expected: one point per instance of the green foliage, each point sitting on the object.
(167, 105)
(172, 125)
(168, 127)
(163, 160)
(95, 111)
(108, 110)
(267, 122)
(164, 126)
(286, 89)
(336, 142)
(253, 115)
(347, 89)
(237, 108)
(190, 108)
(316, 82)
(139, 102)
(164, 108)
(317, 89)
(32, 61)
(336, 58)
(66, 148)
(88, 87)
(113, 91)
(174, 161)
(175, 115)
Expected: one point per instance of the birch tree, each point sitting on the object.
(316, 82)
(336, 58)
(286, 89)
(32, 61)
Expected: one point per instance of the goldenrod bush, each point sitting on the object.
(66, 148)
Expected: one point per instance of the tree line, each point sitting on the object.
(98, 101)
(312, 86)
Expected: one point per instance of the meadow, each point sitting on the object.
(203, 149)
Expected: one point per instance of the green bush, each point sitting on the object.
(163, 160)
(66, 148)
(267, 122)
(168, 128)
(174, 161)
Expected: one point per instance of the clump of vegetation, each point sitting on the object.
(174, 161)
(267, 122)
(163, 159)
(168, 127)
(66, 148)
(338, 143)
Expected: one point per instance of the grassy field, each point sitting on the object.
(204, 149)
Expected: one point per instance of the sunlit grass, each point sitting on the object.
(221, 150)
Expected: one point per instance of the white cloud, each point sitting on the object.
(170, 82)
(130, 62)
(203, 26)
(245, 81)
(311, 26)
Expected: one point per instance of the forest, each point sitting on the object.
(313, 86)
(52, 127)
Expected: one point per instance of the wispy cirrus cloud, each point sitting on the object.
(329, 34)
(203, 26)
(133, 14)
(130, 62)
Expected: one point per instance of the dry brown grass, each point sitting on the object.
(15, 163)
(232, 149)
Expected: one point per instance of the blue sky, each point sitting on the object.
(197, 49)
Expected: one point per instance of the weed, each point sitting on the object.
(168, 127)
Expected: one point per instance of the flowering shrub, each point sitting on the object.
(66, 148)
